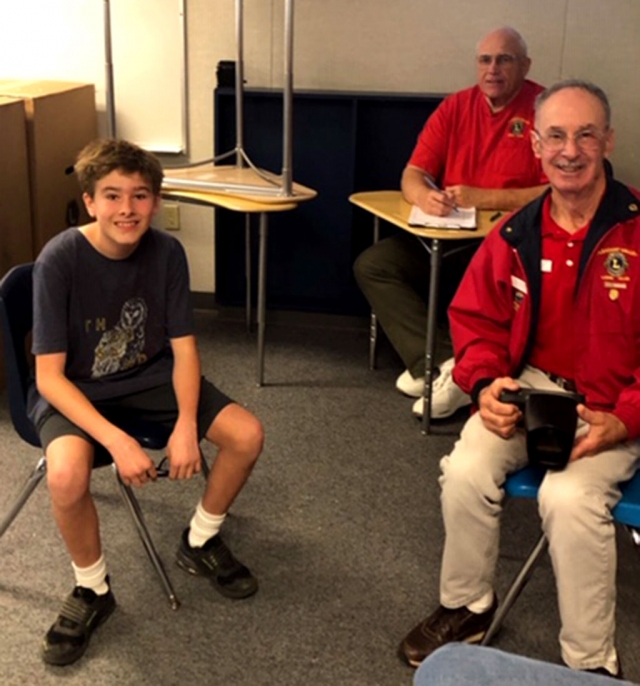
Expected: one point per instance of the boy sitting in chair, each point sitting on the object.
(113, 331)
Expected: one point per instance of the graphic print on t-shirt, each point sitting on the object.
(122, 347)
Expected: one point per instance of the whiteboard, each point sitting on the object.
(65, 40)
(149, 73)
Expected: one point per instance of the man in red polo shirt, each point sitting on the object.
(475, 147)
(549, 301)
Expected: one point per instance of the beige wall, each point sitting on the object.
(412, 46)
(379, 45)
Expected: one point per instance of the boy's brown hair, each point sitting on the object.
(104, 155)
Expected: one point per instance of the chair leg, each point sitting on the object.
(206, 470)
(519, 582)
(136, 514)
(29, 487)
(633, 532)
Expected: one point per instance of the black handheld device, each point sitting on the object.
(520, 397)
(550, 421)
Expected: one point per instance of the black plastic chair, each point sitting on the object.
(16, 320)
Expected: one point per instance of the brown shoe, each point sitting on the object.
(605, 672)
(445, 626)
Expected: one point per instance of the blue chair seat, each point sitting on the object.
(525, 484)
(627, 511)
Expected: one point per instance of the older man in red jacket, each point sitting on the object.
(549, 301)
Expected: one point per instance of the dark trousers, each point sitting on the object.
(393, 275)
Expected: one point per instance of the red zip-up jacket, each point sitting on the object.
(495, 311)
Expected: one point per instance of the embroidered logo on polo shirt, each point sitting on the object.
(517, 127)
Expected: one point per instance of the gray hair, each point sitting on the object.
(580, 84)
(517, 38)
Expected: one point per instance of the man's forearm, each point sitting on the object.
(416, 191)
(413, 185)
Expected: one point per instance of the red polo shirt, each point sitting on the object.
(464, 142)
(553, 350)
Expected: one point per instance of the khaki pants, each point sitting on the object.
(575, 507)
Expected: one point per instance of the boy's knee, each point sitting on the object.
(252, 438)
(68, 471)
(67, 484)
(244, 438)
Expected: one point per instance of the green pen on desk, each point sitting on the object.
(429, 181)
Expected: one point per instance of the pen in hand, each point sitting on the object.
(429, 181)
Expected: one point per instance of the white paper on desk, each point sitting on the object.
(460, 218)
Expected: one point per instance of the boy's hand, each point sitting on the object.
(134, 465)
(183, 453)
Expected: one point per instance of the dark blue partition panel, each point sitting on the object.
(388, 126)
(342, 143)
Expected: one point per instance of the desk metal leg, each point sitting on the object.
(373, 321)
(247, 268)
(434, 281)
(262, 296)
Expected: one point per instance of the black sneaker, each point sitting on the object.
(215, 561)
(445, 626)
(82, 613)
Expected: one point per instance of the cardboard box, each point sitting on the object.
(16, 244)
(61, 119)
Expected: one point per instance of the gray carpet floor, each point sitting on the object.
(340, 521)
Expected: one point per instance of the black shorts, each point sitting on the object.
(154, 404)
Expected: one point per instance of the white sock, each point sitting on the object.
(203, 526)
(93, 577)
(482, 604)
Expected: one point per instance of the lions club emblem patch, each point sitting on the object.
(517, 127)
(616, 264)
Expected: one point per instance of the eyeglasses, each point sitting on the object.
(501, 60)
(587, 140)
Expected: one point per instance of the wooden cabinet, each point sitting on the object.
(342, 143)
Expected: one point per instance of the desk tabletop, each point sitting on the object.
(228, 202)
(393, 208)
(228, 180)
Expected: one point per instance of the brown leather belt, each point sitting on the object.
(565, 384)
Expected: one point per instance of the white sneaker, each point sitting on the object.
(407, 385)
(446, 396)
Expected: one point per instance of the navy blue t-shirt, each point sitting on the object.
(112, 317)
